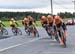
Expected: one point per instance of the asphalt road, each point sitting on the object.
(33, 45)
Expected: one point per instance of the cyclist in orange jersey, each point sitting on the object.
(59, 23)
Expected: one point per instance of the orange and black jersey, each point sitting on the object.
(30, 23)
(50, 24)
(61, 24)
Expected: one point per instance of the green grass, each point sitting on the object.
(7, 23)
(38, 23)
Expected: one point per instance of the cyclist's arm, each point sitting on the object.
(64, 26)
(64, 29)
(2, 24)
(22, 23)
(16, 23)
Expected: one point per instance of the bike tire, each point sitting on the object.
(5, 32)
(64, 40)
(19, 32)
(14, 31)
(27, 32)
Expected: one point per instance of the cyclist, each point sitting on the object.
(44, 22)
(13, 22)
(31, 20)
(25, 22)
(1, 25)
(59, 23)
(50, 21)
(31, 24)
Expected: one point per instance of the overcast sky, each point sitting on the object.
(37, 5)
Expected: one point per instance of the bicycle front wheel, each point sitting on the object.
(19, 32)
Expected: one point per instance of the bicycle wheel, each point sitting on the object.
(61, 35)
(14, 31)
(27, 31)
(36, 34)
(5, 32)
(64, 40)
(57, 38)
(19, 32)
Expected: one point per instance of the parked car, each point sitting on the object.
(70, 22)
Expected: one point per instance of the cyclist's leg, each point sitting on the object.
(61, 38)
(33, 32)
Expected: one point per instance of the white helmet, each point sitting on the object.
(12, 19)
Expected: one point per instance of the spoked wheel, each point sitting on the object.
(5, 32)
(14, 31)
(64, 41)
(19, 31)
(57, 38)
(27, 31)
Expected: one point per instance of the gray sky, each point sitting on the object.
(36, 5)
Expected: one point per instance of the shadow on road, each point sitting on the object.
(4, 37)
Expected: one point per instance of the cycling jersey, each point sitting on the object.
(12, 22)
(51, 24)
(30, 23)
(61, 24)
(44, 22)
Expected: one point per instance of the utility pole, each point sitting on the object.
(74, 12)
(51, 7)
(74, 5)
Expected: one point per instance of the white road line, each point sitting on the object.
(20, 44)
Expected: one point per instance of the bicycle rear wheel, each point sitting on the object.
(5, 32)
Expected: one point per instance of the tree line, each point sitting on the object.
(66, 15)
(20, 15)
(36, 16)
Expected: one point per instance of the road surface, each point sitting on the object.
(43, 45)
